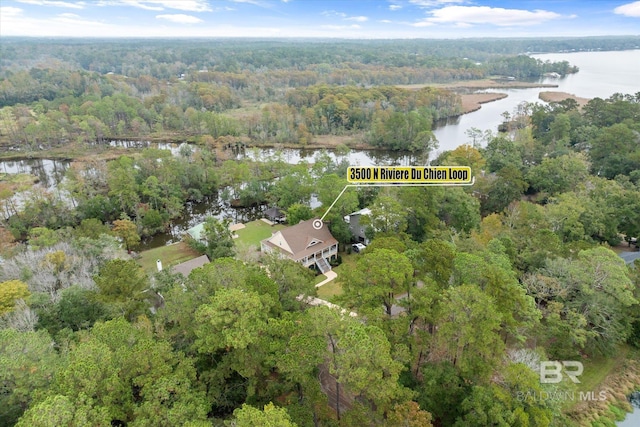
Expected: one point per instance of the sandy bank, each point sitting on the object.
(481, 84)
(552, 96)
(473, 101)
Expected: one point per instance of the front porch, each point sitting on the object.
(321, 258)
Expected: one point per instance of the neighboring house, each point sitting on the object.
(186, 267)
(357, 229)
(629, 257)
(274, 214)
(197, 232)
(304, 244)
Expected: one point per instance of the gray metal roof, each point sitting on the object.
(629, 257)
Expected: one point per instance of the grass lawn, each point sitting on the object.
(169, 255)
(331, 289)
(255, 231)
(334, 287)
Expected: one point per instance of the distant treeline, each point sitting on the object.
(172, 57)
(274, 91)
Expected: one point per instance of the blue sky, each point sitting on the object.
(363, 19)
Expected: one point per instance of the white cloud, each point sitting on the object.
(254, 2)
(473, 15)
(55, 3)
(394, 7)
(341, 27)
(8, 12)
(180, 18)
(186, 5)
(344, 16)
(422, 24)
(333, 13)
(434, 3)
(629, 9)
(357, 18)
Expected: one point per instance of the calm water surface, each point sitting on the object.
(633, 418)
(601, 75)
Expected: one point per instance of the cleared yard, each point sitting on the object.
(334, 287)
(169, 255)
(255, 231)
(329, 290)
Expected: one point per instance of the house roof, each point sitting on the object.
(273, 213)
(186, 267)
(363, 211)
(629, 257)
(196, 231)
(301, 239)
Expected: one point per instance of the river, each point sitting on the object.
(633, 418)
(601, 75)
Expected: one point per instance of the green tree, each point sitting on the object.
(271, 416)
(92, 228)
(615, 151)
(217, 237)
(514, 401)
(379, 276)
(328, 189)
(294, 187)
(558, 174)
(460, 210)
(298, 212)
(60, 410)
(442, 391)
(387, 215)
(28, 361)
(501, 153)
(468, 332)
(436, 259)
(600, 290)
(292, 279)
(360, 361)
(42, 237)
(509, 186)
(138, 380)
(122, 182)
(233, 319)
(77, 309)
(231, 331)
(122, 287)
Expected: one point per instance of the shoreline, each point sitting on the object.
(470, 85)
(557, 96)
(617, 386)
(473, 101)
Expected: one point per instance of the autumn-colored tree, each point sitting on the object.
(126, 230)
(10, 291)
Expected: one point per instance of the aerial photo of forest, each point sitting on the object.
(181, 245)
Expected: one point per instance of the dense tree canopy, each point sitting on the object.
(442, 320)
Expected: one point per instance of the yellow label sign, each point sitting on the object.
(409, 174)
